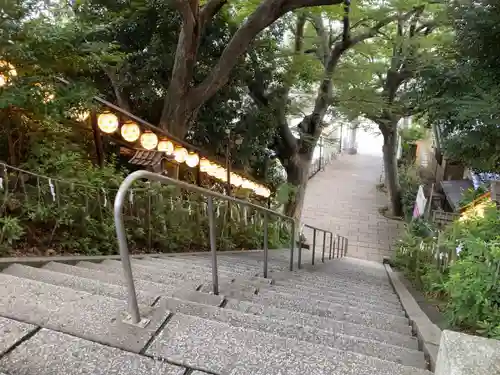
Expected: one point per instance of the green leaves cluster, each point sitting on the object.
(462, 269)
(461, 91)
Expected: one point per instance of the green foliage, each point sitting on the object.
(412, 134)
(471, 194)
(462, 269)
(461, 91)
(10, 231)
(67, 216)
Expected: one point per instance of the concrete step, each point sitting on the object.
(331, 280)
(195, 261)
(191, 268)
(338, 312)
(310, 334)
(55, 353)
(161, 275)
(12, 332)
(104, 289)
(116, 278)
(220, 348)
(92, 286)
(92, 317)
(369, 305)
(382, 295)
(334, 294)
(145, 273)
(324, 323)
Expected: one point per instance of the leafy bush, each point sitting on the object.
(74, 213)
(412, 133)
(462, 269)
(471, 194)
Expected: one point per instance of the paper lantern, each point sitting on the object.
(236, 180)
(180, 154)
(149, 140)
(8, 72)
(166, 146)
(130, 131)
(107, 122)
(192, 159)
(205, 165)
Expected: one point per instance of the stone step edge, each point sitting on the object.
(428, 334)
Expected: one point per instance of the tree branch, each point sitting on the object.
(121, 98)
(209, 10)
(322, 54)
(266, 13)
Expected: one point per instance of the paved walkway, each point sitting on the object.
(343, 199)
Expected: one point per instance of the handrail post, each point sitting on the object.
(266, 250)
(292, 245)
(346, 246)
(338, 246)
(314, 246)
(324, 247)
(133, 306)
(342, 246)
(331, 243)
(299, 256)
(213, 246)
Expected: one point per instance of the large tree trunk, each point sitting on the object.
(391, 171)
(297, 169)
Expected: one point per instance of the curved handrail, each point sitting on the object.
(122, 238)
(133, 306)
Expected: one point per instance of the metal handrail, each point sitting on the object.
(340, 244)
(122, 238)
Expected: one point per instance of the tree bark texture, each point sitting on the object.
(391, 171)
(297, 168)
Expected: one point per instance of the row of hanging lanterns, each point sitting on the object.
(219, 172)
(109, 123)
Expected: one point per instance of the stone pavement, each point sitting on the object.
(343, 199)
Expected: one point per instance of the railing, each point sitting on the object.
(339, 244)
(320, 163)
(122, 238)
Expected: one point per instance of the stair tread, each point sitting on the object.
(92, 317)
(398, 354)
(347, 328)
(11, 331)
(78, 283)
(216, 347)
(173, 267)
(337, 294)
(346, 302)
(55, 353)
(334, 311)
(116, 278)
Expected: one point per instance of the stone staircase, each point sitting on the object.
(337, 318)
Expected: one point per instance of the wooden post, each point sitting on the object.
(97, 139)
(228, 166)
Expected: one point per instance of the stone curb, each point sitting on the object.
(73, 259)
(428, 333)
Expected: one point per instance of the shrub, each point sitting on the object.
(462, 269)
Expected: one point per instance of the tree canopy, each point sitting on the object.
(461, 90)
